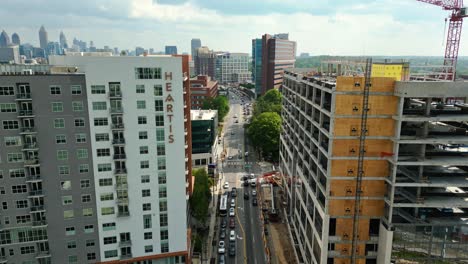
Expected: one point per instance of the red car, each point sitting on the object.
(232, 223)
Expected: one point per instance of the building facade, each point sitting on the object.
(43, 38)
(411, 200)
(232, 67)
(204, 136)
(195, 44)
(205, 62)
(10, 54)
(201, 88)
(171, 50)
(257, 65)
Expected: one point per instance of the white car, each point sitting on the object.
(232, 212)
(221, 247)
(232, 235)
(226, 185)
(235, 116)
(254, 193)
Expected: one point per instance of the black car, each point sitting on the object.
(246, 195)
(254, 202)
(222, 233)
(234, 192)
(223, 223)
(232, 249)
(245, 184)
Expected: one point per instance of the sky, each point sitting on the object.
(320, 27)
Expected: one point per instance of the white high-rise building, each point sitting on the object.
(138, 126)
(232, 67)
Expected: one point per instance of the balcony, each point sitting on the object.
(121, 186)
(115, 94)
(116, 110)
(36, 193)
(118, 141)
(31, 161)
(35, 177)
(119, 126)
(30, 146)
(43, 254)
(120, 156)
(125, 243)
(25, 113)
(27, 130)
(122, 201)
(39, 223)
(23, 96)
(120, 171)
(123, 214)
(37, 208)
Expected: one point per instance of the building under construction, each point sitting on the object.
(375, 167)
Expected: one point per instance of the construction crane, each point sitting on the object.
(454, 32)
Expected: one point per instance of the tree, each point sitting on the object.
(201, 194)
(269, 102)
(220, 103)
(265, 133)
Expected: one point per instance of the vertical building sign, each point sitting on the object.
(169, 105)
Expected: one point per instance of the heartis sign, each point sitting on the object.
(169, 105)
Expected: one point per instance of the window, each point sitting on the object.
(88, 229)
(148, 235)
(27, 250)
(142, 135)
(77, 106)
(147, 73)
(164, 247)
(16, 173)
(82, 153)
(71, 244)
(110, 253)
(108, 226)
(68, 214)
(62, 154)
(163, 220)
(158, 105)
(90, 243)
(102, 137)
(141, 104)
(88, 212)
(140, 88)
(163, 206)
(8, 108)
(15, 157)
(23, 219)
(57, 106)
(161, 163)
(91, 256)
(147, 207)
(159, 134)
(83, 168)
(86, 198)
(148, 249)
(67, 200)
(60, 139)
(162, 177)
(55, 90)
(7, 91)
(105, 182)
(64, 170)
(59, 123)
(107, 196)
(104, 167)
(107, 211)
(98, 89)
(99, 105)
(12, 141)
(162, 192)
(10, 124)
(103, 152)
(73, 259)
(161, 149)
(158, 90)
(79, 122)
(110, 240)
(5, 205)
(147, 221)
(85, 184)
(69, 231)
(144, 164)
(146, 193)
(164, 234)
(75, 89)
(159, 120)
(143, 149)
(142, 120)
(21, 204)
(101, 121)
(145, 178)
(80, 138)
(65, 185)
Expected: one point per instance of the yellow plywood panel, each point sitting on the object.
(384, 127)
(396, 71)
(355, 84)
(372, 168)
(344, 228)
(347, 188)
(350, 147)
(348, 83)
(348, 261)
(378, 105)
(371, 208)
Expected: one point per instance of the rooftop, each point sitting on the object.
(203, 114)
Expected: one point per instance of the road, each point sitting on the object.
(249, 242)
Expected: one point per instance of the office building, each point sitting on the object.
(15, 39)
(195, 44)
(205, 60)
(10, 54)
(278, 53)
(232, 67)
(53, 48)
(171, 50)
(43, 38)
(4, 39)
(63, 41)
(257, 65)
(399, 197)
(204, 137)
(139, 51)
(201, 88)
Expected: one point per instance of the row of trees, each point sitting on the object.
(220, 103)
(201, 195)
(265, 127)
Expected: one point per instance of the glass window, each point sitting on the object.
(164, 247)
(161, 163)
(8, 108)
(158, 90)
(110, 240)
(101, 121)
(15, 157)
(90, 243)
(144, 150)
(142, 120)
(164, 234)
(88, 212)
(105, 152)
(59, 123)
(140, 88)
(142, 135)
(162, 177)
(110, 253)
(162, 192)
(69, 231)
(102, 137)
(108, 226)
(107, 211)
(148, 235)
(99, 105)
(79, 122)
(162, 206)
(86, 198)
(104, 167)
(62, 154)
(158, 105)
(147, 221)
(65, 185)
(163, 220)
(161, 149)
(98, 89)
(73, 259)
(145, 178)
(144, 164)
(82, 153)
(64, 170)
(75, 89)
(107, 196)
(55, 90)
(71, 244)
(67, 199)
(60, 139)
(10, 124)
(89, 229)
(68, 214)
(12, 141)
(57, 106)
(15, 173)
(85, 184)
(80, 138)
(159, 120)
(105, 182)
(147, 73)
(148, 249)
(7, 91)
(77, 106)
(145, 193)
(159, 134)
(147, 207)
(83, 168)
(141, 104)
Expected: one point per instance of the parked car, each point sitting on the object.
(232, 223)
(232, 235)
(232, 211)
(233, 203)
(246, 183)
(254, 202)
(234, 192)
(221, 259)
(221, 248)
(254, 193)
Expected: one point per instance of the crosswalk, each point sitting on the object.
(237, 163)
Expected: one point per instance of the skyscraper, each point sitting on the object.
(43, 38)
(4, 39)
(15, 39)
(63, 41)
(171, 50)
(195, 43)
(232, 67)
(257, 65)
(205, 62)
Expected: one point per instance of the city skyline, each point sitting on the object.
(383, 27)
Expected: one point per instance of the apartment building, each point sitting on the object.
(47, 181)
(201, 88)
(232, 67)
(412, 200)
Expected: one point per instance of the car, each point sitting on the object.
(230, 158)
(221, 248)
(246, 154)
(245, 183)
(232, 249)
(226, 185)
(251, 175)
(223, 223)
(237, 121)
(232, 235)
(243, 178)
(235, 116)
(222, 233)
(232, 132)
(233, 202)
(246, 195)
(221, 259)
(232, 211)
(234, 192)
(232, 223)
(253, 183)
(254, 193)
(254, 202)
(240, 156)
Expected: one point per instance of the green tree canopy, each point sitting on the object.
(199, 200)
(269, 102)
(265, 133)
(220, 103)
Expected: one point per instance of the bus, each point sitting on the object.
(223, 205)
